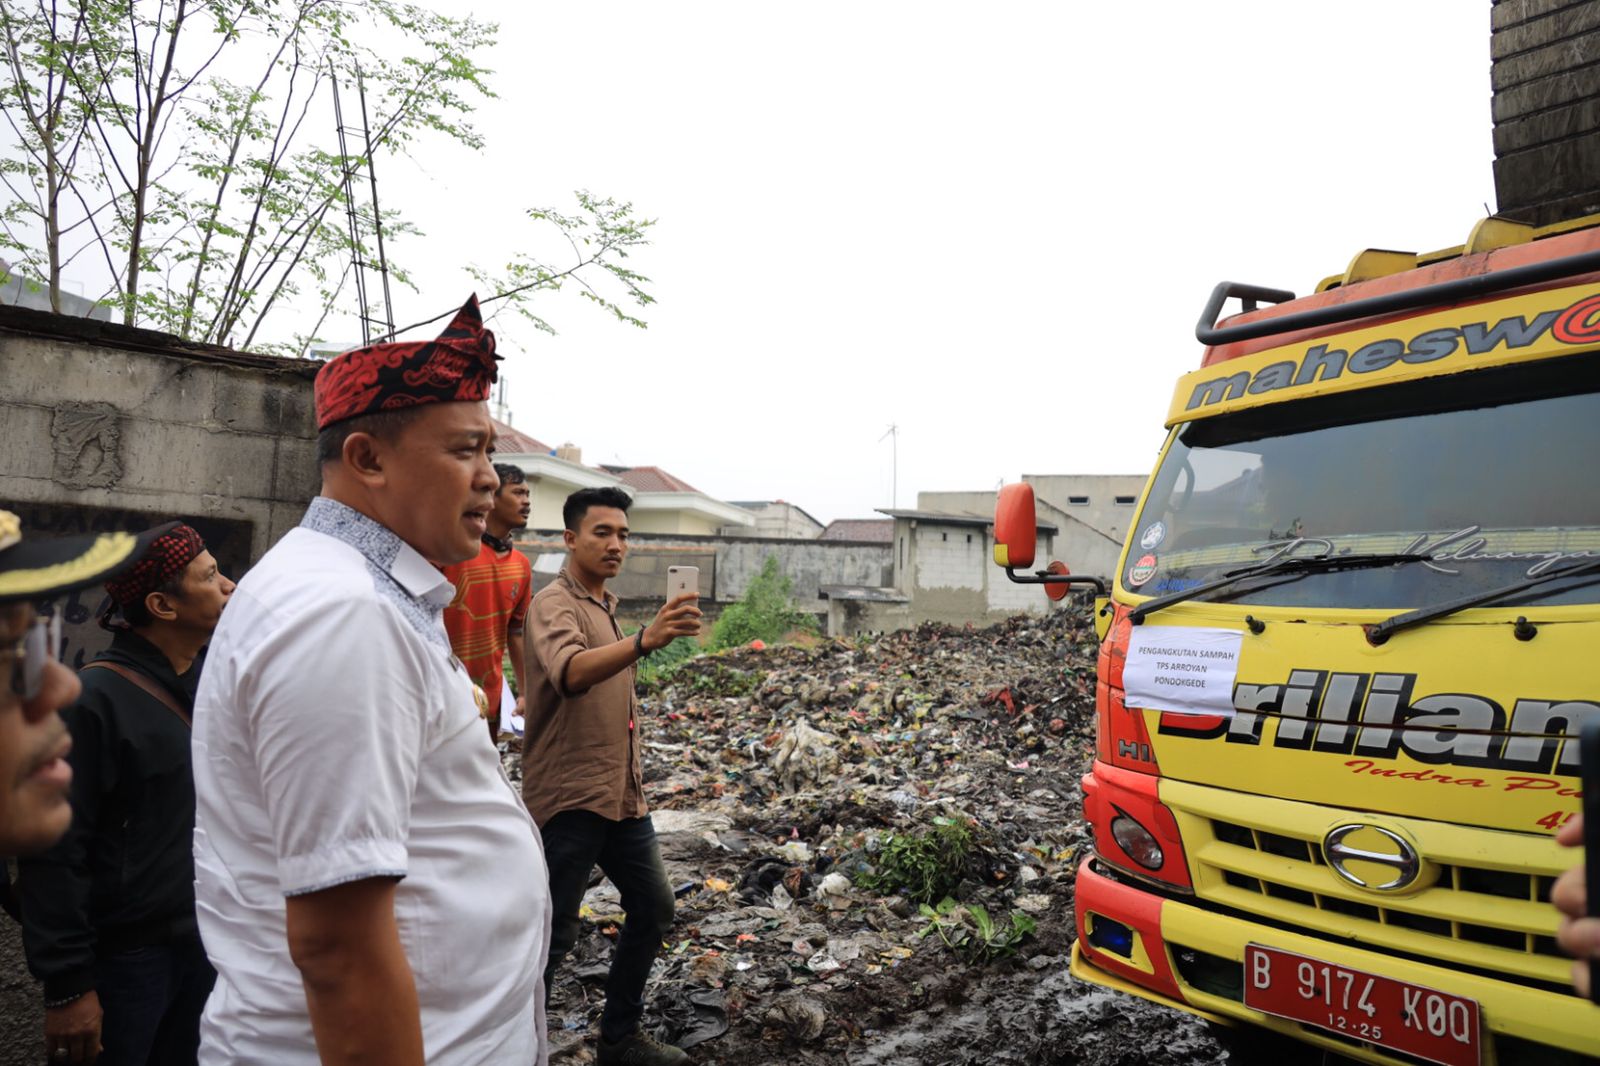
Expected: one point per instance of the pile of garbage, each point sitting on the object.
(873, 845)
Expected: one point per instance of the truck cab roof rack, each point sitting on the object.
(1444, 292)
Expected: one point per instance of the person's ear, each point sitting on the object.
(160, 606)
(569, 538)
(363, 457)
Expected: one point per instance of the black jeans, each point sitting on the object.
(574, 843)
(152, 999)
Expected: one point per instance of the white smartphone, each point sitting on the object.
(681, 580)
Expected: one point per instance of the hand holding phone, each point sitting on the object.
(680, 615)
(683, 581)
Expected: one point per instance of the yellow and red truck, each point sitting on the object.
(1354, 632)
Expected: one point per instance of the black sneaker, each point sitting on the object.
(640, 1049)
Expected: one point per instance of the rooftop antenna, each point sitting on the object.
(501, 412)
(893, 436)
(353, 214)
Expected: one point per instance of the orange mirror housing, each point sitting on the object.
(1016, 528)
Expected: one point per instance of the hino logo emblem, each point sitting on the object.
(1397, 854)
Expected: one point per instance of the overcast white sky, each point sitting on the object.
(992, 225)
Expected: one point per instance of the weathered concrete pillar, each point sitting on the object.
(1546, 79)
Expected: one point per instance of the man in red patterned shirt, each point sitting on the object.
(492, 595)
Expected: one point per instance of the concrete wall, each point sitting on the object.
(776, 518)
(727, 564)
(107, 427)
(851, 618)
(1102, 510)
(949, 575)
(672, 523)
(1546, 108)
(950, 558)
(548, 494)
(979, 504)
(1085, 549)
(546, 498)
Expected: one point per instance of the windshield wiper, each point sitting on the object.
(1389, 626)
(1310, 564)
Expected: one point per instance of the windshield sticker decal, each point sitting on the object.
(1142, 571)
(1182, 669)
(1376, 716)
(1465, 545)
(1152, 537)
(1543, 549)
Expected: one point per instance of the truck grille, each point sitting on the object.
(1498, 883)
(1474, 915)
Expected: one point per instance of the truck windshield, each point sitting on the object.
(1494, 491)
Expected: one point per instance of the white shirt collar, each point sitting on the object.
(421, 578)
(383, 548)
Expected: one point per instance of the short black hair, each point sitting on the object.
(385, 425)
(579, 502)
(509, 474)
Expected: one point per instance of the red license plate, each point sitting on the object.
(1391, 1014)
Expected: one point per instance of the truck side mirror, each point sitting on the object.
(1016, 538)
(1016, 529)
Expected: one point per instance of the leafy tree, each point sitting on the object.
(766, 611)
(42, 107)
(181, 145)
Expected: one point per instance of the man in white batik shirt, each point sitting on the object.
(355, 832)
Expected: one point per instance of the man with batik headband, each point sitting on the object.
(108, 913)
(355, 834)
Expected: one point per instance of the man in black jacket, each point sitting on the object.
(108, 913)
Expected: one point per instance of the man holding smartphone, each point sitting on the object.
(581, 778)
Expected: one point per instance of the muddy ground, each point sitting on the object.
(21, 1006)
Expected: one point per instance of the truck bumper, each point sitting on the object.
(1186, 956)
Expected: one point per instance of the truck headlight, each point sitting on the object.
(1137, 842)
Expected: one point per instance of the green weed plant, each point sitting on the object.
(765, 612)
(926, 865)
(970, 931)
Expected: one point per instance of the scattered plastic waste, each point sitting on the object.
(779, 777)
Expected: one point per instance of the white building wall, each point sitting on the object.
(950, 557)
(1100, 493)
(776, 519)
(1087, 552)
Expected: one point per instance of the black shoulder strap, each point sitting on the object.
(134, 677)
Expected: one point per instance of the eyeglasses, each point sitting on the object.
(39, 645)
